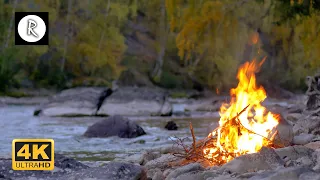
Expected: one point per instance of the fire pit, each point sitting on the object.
(245, 126)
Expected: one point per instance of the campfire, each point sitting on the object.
(245, 125)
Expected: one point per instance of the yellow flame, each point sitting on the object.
(256, 122)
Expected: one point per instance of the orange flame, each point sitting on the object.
(254, 38)
(217, 91)
(257, 123)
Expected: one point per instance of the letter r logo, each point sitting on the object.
(31, 28)
(31, 25)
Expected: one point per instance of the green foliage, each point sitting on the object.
(169, 80)
(16, 94)
(93, 51)
(290, 32)
(97, 52)
(211, 38)
(179, 95)
(8, 68)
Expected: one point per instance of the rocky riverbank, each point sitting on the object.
(295, 163)
(299, 160)
(126, 101)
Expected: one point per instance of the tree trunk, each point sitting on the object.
(104, 28)
(157, 71)
(65, 45)
(102, 34)
(10, 26)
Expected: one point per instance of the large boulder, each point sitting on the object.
(81, 101)
(115, 126)
(136, 102)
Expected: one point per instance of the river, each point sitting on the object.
(19, 122)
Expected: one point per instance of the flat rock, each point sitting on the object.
(266, 159)
(84, 101)
(211, 105)
(130, 101)
(162, 162)
(149, 156)
(81, 101)
(110, 171)
(310, 176)
(140, 158)
(151, 173)
(294, 117)
(134, 158)
(136, 107)
(184, 169)
(64, 162)
(303, 139)
(195, 175)
(298, 156)
(313, 145)
(115, 126)
(294, 152)
(292, 173)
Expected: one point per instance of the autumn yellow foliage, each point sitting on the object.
(214, 36)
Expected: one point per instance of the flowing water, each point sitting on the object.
(19, 122)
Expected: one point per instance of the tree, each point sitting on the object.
(67, 35)
(212, 35)
(163, 35)
(95, 53)
(10, 26)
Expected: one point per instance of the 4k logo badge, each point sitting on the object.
(33, 154)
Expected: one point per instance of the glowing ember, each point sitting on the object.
(252, 129)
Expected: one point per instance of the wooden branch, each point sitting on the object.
(253, 131)
(243, 110)
(196, 154)
(193, 136)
